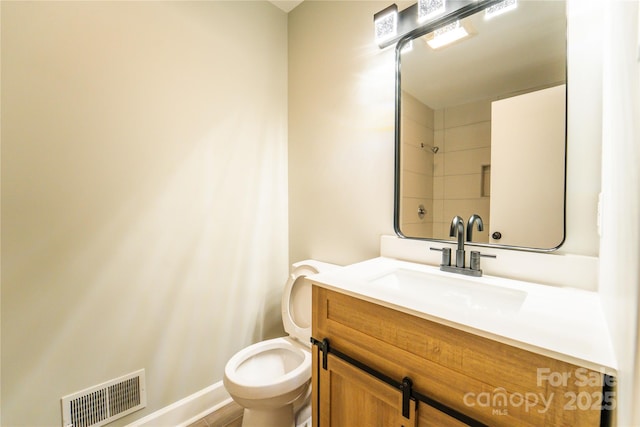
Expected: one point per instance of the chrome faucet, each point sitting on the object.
(475, 218)
(457, 230)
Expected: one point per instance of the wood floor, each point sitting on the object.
(229, 416)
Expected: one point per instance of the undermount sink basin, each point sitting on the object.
(458, 293)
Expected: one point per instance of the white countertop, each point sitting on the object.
(560, 322)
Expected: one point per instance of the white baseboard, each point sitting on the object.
(188, 410)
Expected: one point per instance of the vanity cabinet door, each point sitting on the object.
(347, 396)
(431, 417)
(351, 397)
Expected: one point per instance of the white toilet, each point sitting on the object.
(271, 379)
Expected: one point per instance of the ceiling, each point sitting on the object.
(521, 50)
(286, 5)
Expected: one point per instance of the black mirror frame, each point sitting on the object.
(452, 14)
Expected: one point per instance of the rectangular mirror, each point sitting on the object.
(481, 127)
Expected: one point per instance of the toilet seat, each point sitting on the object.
(267, 369)
(296, 299)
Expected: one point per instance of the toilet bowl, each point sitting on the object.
(271, 379)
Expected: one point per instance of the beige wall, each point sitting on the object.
(584, 130)
(620, 247)
(341, 132)
(144, 213)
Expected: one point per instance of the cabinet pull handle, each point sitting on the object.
(324, 348)
(406, 386)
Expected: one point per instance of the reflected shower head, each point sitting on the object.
(431, 148)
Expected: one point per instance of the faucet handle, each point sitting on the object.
(474, 261)
(446, 255)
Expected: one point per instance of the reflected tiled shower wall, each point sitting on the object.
(461, 167)
(417, 167)
(455, 180)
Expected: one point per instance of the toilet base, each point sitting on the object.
(279, 417)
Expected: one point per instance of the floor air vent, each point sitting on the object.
(103, 403)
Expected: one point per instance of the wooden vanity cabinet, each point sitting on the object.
(491, 382)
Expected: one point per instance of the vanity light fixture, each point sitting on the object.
(500, 8)
(430, 8)
(391, 24)
(386, 24)
(447, 35)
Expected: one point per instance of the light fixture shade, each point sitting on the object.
(386, 24)
(447, 35)
(500, 8)
(430, 8)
